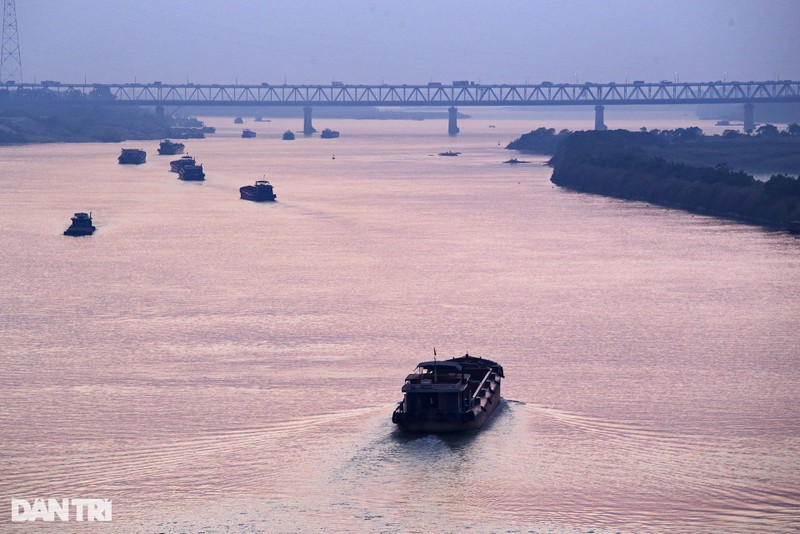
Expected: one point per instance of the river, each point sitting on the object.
(217, 365)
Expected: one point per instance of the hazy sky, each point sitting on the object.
(407, 41)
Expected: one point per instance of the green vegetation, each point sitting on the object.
(768, 149)
(539, 141)
(621, 164)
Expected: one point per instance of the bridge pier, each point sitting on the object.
(749, 119)
(452, 121)
(599, 119)
(308, 129)
(159, 111)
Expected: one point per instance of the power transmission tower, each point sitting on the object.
(10, 61)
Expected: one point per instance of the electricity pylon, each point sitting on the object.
(10, 61)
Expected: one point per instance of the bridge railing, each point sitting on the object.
(433, 94)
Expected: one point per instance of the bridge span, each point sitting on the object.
(432, 94)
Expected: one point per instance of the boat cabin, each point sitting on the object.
(437, 387)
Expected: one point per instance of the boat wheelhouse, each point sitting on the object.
(449, 396)
(288, 135)
(247, 133)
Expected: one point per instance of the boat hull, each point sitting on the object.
(430, 424)
(77, 232)
(191, 173)
(248, 193)
(192, 176)
(132, 160)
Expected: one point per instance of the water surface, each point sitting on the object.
(217, 365)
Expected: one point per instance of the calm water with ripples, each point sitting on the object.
(215, 365)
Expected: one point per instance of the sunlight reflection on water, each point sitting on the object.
(241, 361)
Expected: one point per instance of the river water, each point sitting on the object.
(215, 365)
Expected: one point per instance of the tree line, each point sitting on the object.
(616, 163)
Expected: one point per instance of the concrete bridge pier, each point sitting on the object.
(452, 121)
(749, 120)
(308, 129)
(599, 120)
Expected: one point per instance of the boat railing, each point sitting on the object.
(478, 389)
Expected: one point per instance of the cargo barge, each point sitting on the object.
(449, 396)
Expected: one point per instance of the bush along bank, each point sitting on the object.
(616, 163)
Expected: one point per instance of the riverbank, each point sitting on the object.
(769, 150)
(621, 164)
(22, 123)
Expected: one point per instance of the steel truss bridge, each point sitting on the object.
(432, 94)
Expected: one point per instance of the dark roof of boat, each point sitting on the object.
(464, 363)
(439, 364)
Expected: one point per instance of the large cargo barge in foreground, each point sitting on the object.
(449, 396)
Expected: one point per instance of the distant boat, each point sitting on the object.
(175, 166)
(492, 126)
(192, 173)
(449, 153)
(132, 156)
(261, 192)
(514, 161)
(169, 148)
(288, 135)
(327, 133)
(81, 225)
(238, 120)
(188, 133)
(247, 134)
(723, 123)
(208, 129)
